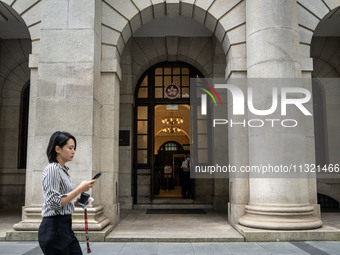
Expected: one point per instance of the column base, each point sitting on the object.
(276, 217)
(27, 229)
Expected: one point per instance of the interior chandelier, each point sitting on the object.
(172, 120)
(172, 129)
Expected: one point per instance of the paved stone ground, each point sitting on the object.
(138, 226)
(151, 222)
(146, 248)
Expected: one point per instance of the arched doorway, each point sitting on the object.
(15, 47)
(159, 120)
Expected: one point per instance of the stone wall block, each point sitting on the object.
(8, 159)
(237, 35)
(36, 47)
(147, 15)
(141, 4)
(307, 64)
(239, 51)
(144, 189)
(11, 93)
(125, 185)
(110, 52)
(67, 46)
(112, 18)
(196, 47)
(318, 8)
(21, 6)
(8, 135)
(120, 45)
(81, 14)
(158, 8)
(148, 47)
(234, 18)
(304, 51)
(144, 180)
(305, 35)
(9, 118)
(53, 77)
(126, 8)
(33, 15)
(106, 155)
(187, 8)
(172, 45)
(81, 76)
(108, 91)
(107, 126)
(210, 22)
(110, 36)
(10, 102)
(135, 22)
(172, 8)
(307, 19)
(199, 14)
(35, 31)
(206, 54)
(226, 45)
(82, 159)
(55, 14)
(161, 46)
(184, 45)
(126, 32)
(221, 7)
(204, 4)
(38, 148)
(127, 99)
(73, 113)
(219, 32)
(139, 55)
(332, 4)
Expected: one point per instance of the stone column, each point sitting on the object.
(273, 52)
(64, 97)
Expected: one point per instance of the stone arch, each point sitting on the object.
(310, 14)
(146, 52)
(226, 21)
(31, 14)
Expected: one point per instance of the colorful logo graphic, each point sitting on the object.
(209, 93)
(204, 97)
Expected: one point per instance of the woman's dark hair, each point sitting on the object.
(59, 138)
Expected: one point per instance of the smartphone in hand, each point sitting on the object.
(97, 175)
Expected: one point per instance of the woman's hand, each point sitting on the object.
(76, 203)
(86, 185)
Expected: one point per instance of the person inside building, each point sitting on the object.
(186, 187)
(55, 232)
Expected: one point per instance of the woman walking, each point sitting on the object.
(55, 231)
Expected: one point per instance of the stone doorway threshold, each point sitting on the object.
(137, 226)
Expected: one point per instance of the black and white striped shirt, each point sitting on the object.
(56, 183)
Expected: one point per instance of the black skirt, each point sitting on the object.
(56, 236)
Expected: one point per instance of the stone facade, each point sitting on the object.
(83, 60)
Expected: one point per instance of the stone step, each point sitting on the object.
(173, 206)
(172, 201)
